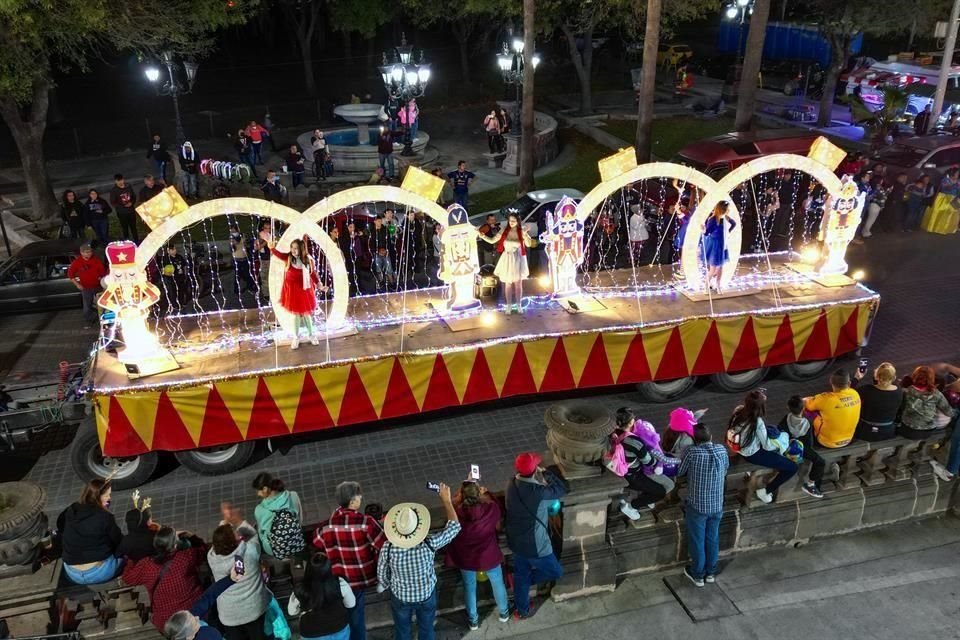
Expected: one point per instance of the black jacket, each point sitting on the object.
(189, 165)
(97, 209)
(146, 192)
(73, 213)
(158, 151)
(87, 534)
(138, 543)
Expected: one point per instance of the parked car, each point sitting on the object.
(721, 154)
(35, 278)
(673, 54)
(925, 154)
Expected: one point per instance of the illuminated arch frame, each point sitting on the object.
(299, 225)
(691, 243)
(722, 191)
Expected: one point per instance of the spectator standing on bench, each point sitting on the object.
(797, 425)
(705, 464)
(190, 625)
(406, 564)
(89, 536)
(279, 519)
(352, 542)
(926, 411)
(476, 548)
(243, 607)
(528, 498)
(838, 412)
(748, 429)
(323, 601)
(879, 404)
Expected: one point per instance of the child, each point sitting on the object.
(679, 434)
(916, 203)
(300, 282)
(798, 426)
(647, 434)
(637, 232)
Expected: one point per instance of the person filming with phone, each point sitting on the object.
(528, 498)
(243, 606)
(405, 566)
(879, 402)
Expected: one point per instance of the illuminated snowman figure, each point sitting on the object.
(841, 217)
(129, 294)
(564, 243)
(460, 263)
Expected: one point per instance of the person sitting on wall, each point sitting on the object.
(837, 412)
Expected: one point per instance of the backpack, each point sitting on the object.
(614, 459)
(285, 535)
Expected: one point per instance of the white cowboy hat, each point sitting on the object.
(407, 524)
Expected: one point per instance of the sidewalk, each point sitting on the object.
(890, 583)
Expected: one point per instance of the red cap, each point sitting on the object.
(526, 463)
(121, 253)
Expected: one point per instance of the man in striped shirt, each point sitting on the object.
(705, 464)
(352, 542)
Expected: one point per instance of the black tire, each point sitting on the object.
(216, 461)
(666, 390)
(88, 461)
(739, 381)
(23, 509)
(800, 371)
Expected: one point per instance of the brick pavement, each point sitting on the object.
(917, 323)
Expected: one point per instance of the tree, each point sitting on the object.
(577, 21)
(305, 16)
(527, 123)
(747, 96)
(880, 122)
(35, 37)
(648, 82)
(363, 17)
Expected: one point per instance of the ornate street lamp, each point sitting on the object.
(405, 77)
(512, 62)
(739, 10)
(173, 87)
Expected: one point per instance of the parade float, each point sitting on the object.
(208, 378)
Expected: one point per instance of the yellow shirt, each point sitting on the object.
(838, 415)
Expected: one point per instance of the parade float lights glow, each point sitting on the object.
(858, 275)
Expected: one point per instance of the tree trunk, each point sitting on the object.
(648, 83)
(28, 127)
(309, 81)
(839, 50)
(913, 34)
(582, 64)
(747, 98)
(527, 129)
(347, 42)
(464, 47)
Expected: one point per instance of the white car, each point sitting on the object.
(531, 208)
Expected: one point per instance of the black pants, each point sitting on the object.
(493, 142)
(818, 464)
(128, 225)
(648, 491)
(250, 631)
(919, 434)
(244, 276)
(873, 433)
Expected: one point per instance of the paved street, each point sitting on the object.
(917, 323)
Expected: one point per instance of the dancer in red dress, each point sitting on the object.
(299, 281)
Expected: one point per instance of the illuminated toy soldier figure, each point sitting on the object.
(564, 243)
(841, 216)
(459, 263)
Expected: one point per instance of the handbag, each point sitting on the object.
(275, 623)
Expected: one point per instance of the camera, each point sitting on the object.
(433, 486)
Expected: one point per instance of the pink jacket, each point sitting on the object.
(414, 114)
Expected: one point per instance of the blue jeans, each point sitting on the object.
(703, 541)
(953, 459)
(160, 167)
(386, 163)
(256, 152)
(381, 265)
(343, 634)
(773, 460)
(297, 179)
(460, 197)
(403, 612)
(495, 576)
(101, 230)
(188, 182)
(530, 571)
(247, 159)
(358, 619)
(106, 570)
(413, 130)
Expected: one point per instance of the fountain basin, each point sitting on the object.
(349, 155)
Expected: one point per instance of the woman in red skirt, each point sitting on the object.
(299, 280)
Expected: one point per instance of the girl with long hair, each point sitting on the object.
(299, 283)
(748, 429)
(715, 252)
(512, 269)
(89, 536)
(323, 602)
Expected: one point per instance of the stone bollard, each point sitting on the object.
(577, 436)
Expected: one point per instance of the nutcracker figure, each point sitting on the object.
(841, 216)
(564, 242)
(459, 262)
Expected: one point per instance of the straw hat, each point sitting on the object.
(407, 524)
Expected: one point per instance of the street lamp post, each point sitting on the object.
(405, 77)
(172, 86)
(739, 9)
(511, 61)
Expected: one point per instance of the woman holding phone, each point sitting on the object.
(243, 606)
(879, 402)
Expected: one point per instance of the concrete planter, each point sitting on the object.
(577, 436)
(23, 524)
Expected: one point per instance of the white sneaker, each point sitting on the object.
(295, 344)
(628, 510)
(314, 340)
(941, 471)
(764, 497)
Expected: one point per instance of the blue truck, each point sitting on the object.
(784, 41)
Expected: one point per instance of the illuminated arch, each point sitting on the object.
(374, 193)
(723, 190)
(298, 224)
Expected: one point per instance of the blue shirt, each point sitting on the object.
(705, 466)
(461, 180)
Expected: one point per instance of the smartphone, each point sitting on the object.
(864, 363)
(238, 565)
(433, 486)
(475, 472)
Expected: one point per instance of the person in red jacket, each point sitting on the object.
(85, 272)
(300, 281)
(171, 577)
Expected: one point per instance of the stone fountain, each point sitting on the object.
(362, 115)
